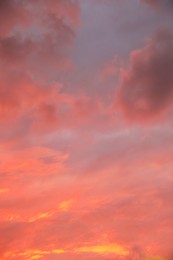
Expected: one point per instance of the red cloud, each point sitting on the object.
(146, 88)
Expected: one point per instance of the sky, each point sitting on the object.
(86, 129)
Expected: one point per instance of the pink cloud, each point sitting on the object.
(45, 40)
(16, 13)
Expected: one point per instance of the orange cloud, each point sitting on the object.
(33, 254)
(38, 253)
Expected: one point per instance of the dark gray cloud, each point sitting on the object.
(161, 4)
(146, 89)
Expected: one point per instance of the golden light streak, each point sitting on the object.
(33, 254)
(36, 257)
(4, 191)
(41, 216)
(65, 205)
(98, 249)
(58, 251)
(104, 249)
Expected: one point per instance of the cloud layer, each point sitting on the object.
(77, 180)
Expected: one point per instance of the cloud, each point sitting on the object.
(146, 86)
(31, 58)
(161, 4)
(30, 61)
(12, 13)
(39, 52)
(83, 214)
(36, 36)
(68, 9)
(15, 13)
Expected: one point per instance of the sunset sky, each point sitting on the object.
(86, 129)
